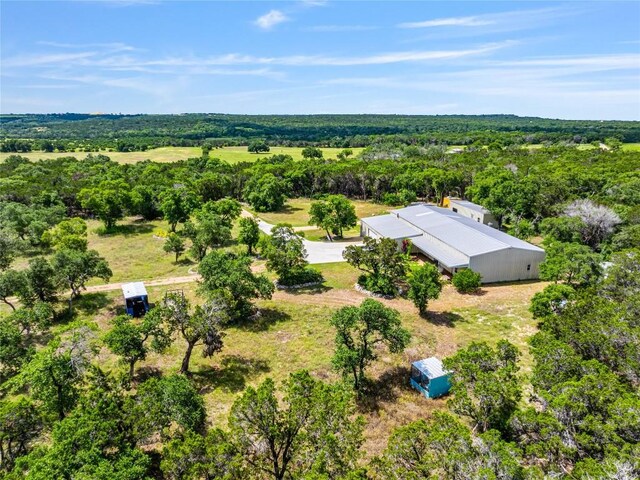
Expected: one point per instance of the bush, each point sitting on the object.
(466, 281)
(379, 285)
(301, 276)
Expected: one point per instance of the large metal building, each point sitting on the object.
(454, 242)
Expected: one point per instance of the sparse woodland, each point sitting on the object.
(566, 404)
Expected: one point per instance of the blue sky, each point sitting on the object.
(561, 60)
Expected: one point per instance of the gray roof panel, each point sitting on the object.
(391, 226)
(463, 234)
(469, 205)
(134, 289)
(447, 258)
(431, 367)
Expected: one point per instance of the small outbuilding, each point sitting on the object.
(136, 300)
(429, 377)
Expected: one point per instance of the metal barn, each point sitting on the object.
(136, 299)
(453, 242)
(429, 377)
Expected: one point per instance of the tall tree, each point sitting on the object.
(444, 448)
(13, 284)
(133, 340)
(287, 256)
(424, 284)
(69, 234)
(358, 332)
(55, 373)
(384, 264)
(20, 426)
(174, 243)
(176, 206)
(74, 269)
(41, 277)
(310, 432)
(249, 233)
(202, 326)
(109, 200)
(265, 193)
(485, 384)
(96, 440)
(9, 248)
(171, 401)
(333, 215)
(228, 276)
(572, 263)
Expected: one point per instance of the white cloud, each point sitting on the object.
(271, 19)
(449, 22)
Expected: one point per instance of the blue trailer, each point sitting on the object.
(136, 300)
(429, 377)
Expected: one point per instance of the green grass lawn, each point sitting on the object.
(134, 252)
(294, 331)
(173, 154)
(296, 212)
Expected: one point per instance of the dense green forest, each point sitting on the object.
(63, 414)
(87, 132)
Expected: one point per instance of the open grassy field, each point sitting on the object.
(173, 154)
(296, 212)
(293, 331)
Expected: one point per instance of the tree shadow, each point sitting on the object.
(264, 319)
(185, 261)
(443, 319)
(288, 209)
(313, 290)
(128, 230)
(143, 374)
(385, 389)
(480, 292)
(92, 303)
(231, 376)
(87, 304)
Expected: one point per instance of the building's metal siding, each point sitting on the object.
(507, 265)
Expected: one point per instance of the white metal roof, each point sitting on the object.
(431, 367)
(461, 233)
(469, 205)
(134, 289)
(447, 258)
(390, 226)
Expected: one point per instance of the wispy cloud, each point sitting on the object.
(271, 19)
(35, 60)
(558, 78)
(450, 22)
(340, 28)
(507, 21)
(130, 62)
(113, 46)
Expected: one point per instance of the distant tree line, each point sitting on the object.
(69, 132)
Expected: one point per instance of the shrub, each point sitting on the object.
(466, 281)
(378, 284)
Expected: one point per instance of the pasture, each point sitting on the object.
(174, 154)
(293, 331)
